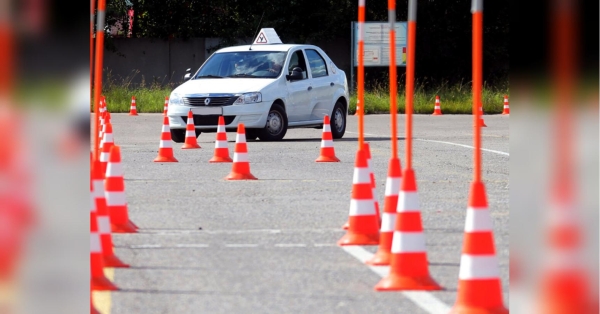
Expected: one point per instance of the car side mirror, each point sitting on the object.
(188, 74)
(295, 75)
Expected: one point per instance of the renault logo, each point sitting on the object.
(206, 101)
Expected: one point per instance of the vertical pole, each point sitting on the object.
(100, 16)
(393, 83)
(352, 55)
(477, 12)
(410, 77)
(360, 103)
(93, 6)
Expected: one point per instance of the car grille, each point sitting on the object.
(214, 101)
(204, 120)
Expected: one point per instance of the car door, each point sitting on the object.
(299, 91)
(322, 85)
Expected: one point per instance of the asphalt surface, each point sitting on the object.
(208, 245)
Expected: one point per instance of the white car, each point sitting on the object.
(268, 86)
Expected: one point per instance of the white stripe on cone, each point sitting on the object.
(104, 157)
(408, 242)
(190, 134)
(240, 138)
(362, 207)
(114, 169)
(240, 157)
(95, 243)
(392, 186)
(164, 144)
(478, 220)
(115, 199)
(165, 129)
(104, 225)
(221, 129)
(326, 128)
(132, 107)
(408, 202)
(107, 138)
(326, 143)
(388, 222)
(361, 175)
(220, 144)
(478, 267)
(98, 191)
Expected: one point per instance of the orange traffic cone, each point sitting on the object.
(190, 133)
(437, 110)
(241, 167)
(132, 108)
(103, 216)
(479, 287)
(221, 150)
(114, 188)
(506, 106)
(166, 106)
(165, 149)
(367, 150)
(327, 150)
(98, 280)
(93, 310)
(106, 144)
(363, 221)
(408, 264)
(388, 219)
(481, 122)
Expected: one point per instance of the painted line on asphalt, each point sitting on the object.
(443, 142)
(290, 245)
(191, 245)
(424, 300)
(146, 246)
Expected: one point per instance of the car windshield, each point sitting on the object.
(243, 64)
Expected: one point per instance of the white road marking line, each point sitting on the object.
(192, 231)
(442, 142)
(290, 245)
(324, 244)
(192, 245)
(146, 246)
(467, 146)
(423, 299)
(241, 245)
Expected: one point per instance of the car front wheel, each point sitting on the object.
(276, 126)
(338, 121)
(178, 135)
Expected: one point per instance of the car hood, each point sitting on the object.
(223, 86)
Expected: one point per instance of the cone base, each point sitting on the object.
(327, 159)
(220, 159)
(165, 159)
(103, 284)
(436, 114)
(381, 258)
(114, 261)
(359, 239)
(133, 114)
(395, 282)
(465, 309)
(240, 176)
(190, 146)
(128, 227)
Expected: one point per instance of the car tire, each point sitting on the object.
(252, 134)
(277, 124)
(338, 121)
(178, 135)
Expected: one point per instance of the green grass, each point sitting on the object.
(455, 99)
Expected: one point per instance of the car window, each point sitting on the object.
(297, 60)
(317, 63)
(259, 64)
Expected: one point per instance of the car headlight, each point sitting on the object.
(175, 100)
(248, 98)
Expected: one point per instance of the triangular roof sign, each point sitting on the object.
(267, 36)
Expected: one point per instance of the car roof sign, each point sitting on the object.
(267, 36)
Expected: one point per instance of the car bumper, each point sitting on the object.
(251, 115)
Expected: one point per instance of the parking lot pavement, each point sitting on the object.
(208, 245)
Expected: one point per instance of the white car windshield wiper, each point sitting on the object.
(241, 75)
(209, 76)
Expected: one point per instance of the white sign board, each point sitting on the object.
(377, 43)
